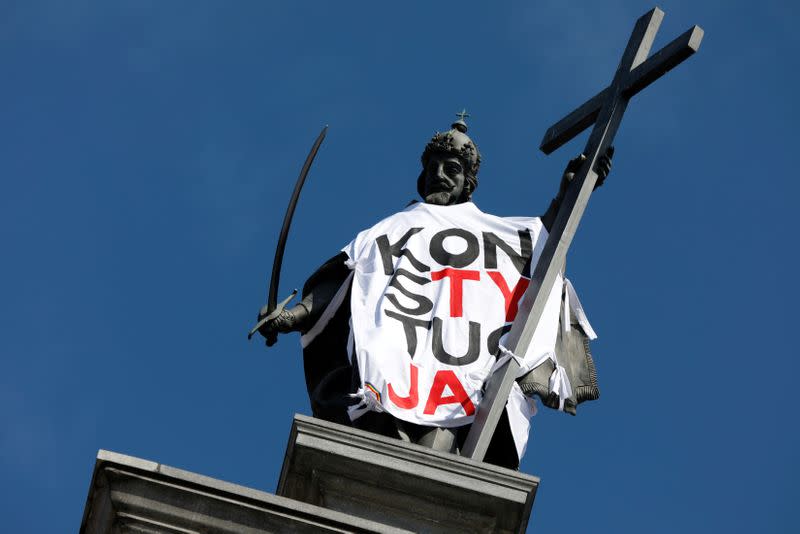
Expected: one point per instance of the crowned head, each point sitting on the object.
(450, 164)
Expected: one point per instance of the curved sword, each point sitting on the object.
(273, 307)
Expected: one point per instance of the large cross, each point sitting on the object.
(635, 72)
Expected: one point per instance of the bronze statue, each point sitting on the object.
(450, 165)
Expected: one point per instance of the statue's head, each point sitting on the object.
(450, 165)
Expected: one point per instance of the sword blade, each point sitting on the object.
(272, 299)
(272, 296)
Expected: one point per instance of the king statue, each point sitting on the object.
(401, 330)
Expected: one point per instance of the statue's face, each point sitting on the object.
(444, 179)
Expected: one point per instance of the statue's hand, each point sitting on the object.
(283, 323)
(574, 165)
(604, 166)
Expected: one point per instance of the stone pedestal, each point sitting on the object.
(401, 484)
(334, 479)
(130, 495)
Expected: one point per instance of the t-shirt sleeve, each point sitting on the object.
(355, 247)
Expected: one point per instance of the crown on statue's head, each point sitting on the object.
(455, 141)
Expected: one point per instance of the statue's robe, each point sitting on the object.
(332, 378)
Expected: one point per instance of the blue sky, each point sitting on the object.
(150, 148)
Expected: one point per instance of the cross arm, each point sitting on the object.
(664, 60)
(574, 123)
(640, 77)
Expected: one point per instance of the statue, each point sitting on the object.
(407, 306)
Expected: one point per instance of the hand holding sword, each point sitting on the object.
(274, 317)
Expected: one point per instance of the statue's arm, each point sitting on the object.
(574, 165)
(549, 216)
(318, 292)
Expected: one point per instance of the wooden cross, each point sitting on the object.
(635, 72)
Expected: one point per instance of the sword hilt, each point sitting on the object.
(272, 337)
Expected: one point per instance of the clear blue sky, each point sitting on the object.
(149, 148)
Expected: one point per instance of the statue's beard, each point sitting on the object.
(440, 198)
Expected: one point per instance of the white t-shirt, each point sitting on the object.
(434, 289)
